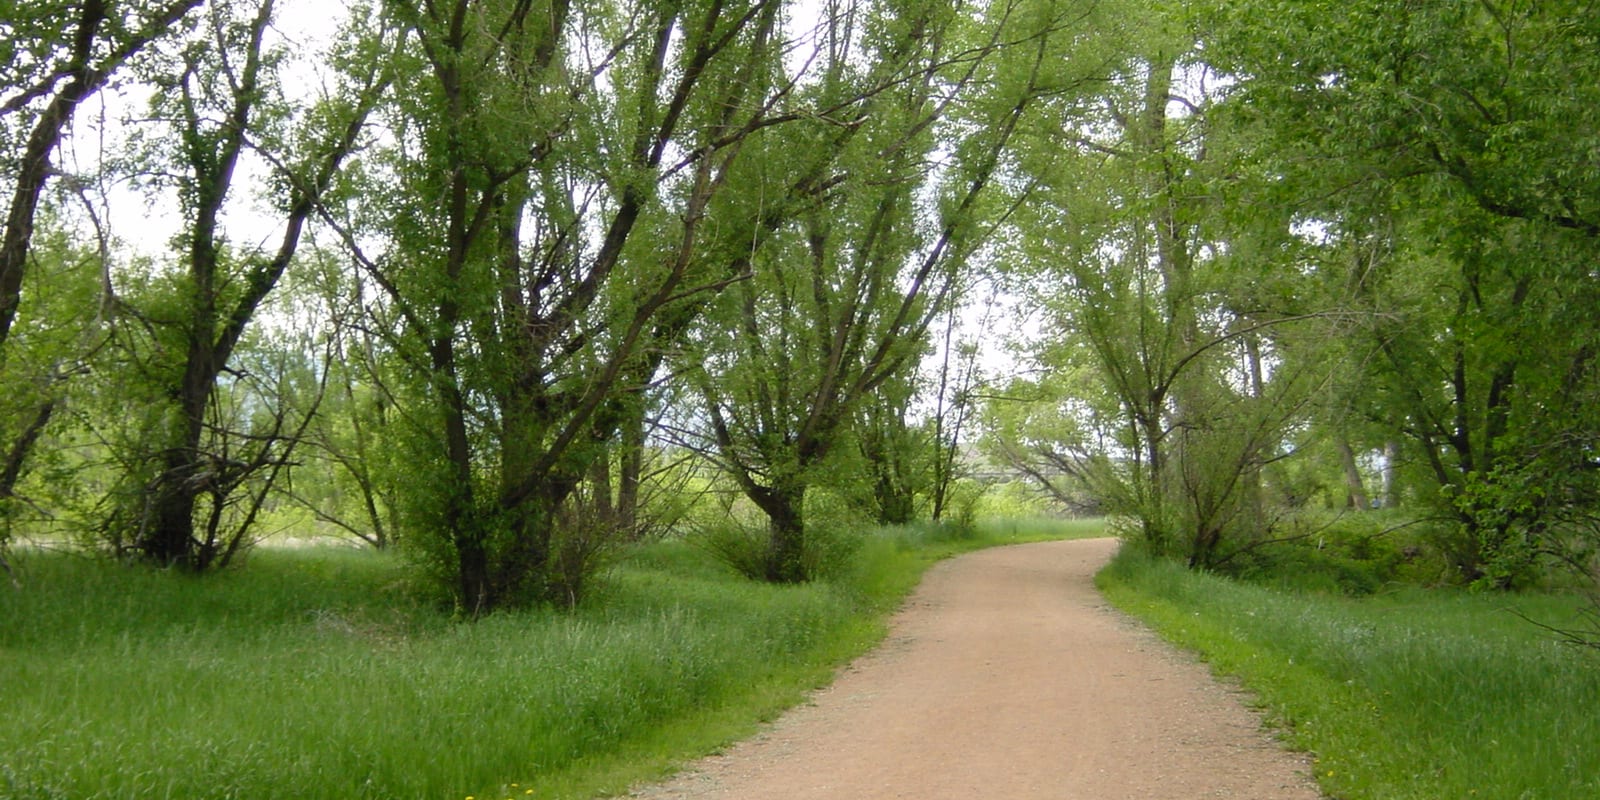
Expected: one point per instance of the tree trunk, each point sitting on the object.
(1391, 456)
(521, 567)
(1153, 513)
(461, 521)
(1352, 475)
(11, 470)
(633, 436)
(475, 588)
(167, 536)
(600, 488)
(1174, 263)
(785, 510)
(1251, 478)
(896, 505)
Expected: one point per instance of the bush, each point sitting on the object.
(743, 545)
(740, 546)
(1299, 567)
(1348, 553)
(1015, 499)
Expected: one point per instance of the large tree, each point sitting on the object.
(841, 301)
(220, 103)
(554, 169)
(1170, 315)
(45, 78)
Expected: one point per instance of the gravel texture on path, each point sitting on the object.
(1007, 676)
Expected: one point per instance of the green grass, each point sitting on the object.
(1415, 694)
(316, 673)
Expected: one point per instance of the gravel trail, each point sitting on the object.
(1008, 677)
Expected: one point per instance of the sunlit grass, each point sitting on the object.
(316, 673)
(1418, 694)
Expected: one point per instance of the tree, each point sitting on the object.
(45, 78)
(553, 168)
(840, 303)
(181, 334)
(349, 479)
(955, 406)
(1173, 317)
(893, 451)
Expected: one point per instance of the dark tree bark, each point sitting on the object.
(784, 506)
(632, 443)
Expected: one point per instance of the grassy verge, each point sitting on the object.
(314, 674)
(1410, 695)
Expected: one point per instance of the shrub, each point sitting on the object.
(739, 545)
(1345, 553)
(742, 545)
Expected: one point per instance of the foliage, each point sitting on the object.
(1175, 360)
(1343, 552)
(535, 305)
(47, 352)
(345, 477)
(1438, 152)
(47, 75)
(505, 282)
(898, 458)
(213, 430)
(1258, 268)
(1015, 500)
(744, 544)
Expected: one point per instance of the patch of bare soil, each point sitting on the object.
(1007, 676)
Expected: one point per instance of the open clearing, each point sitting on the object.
(1007, 676)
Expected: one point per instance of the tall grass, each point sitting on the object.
(317, 674)
(1417, 694)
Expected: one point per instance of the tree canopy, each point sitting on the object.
(473, 276)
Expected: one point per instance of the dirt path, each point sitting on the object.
(1007, 677)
